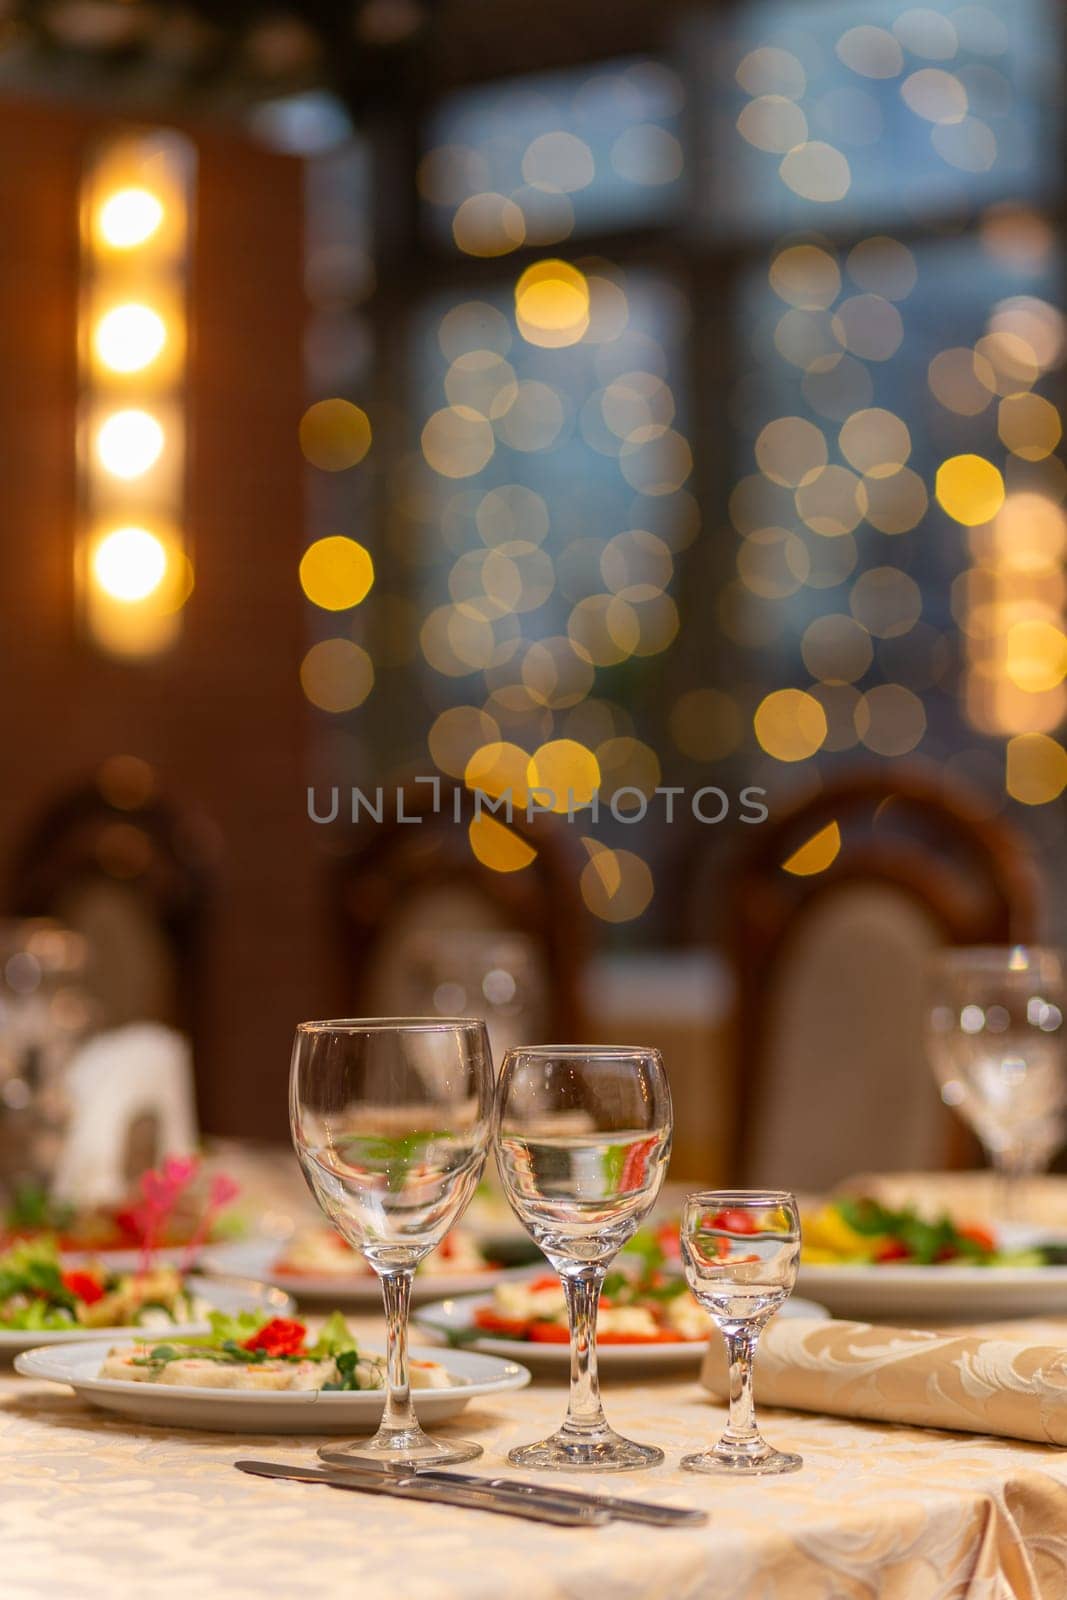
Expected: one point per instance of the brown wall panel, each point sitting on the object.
(221, 716)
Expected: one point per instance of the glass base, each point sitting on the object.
(400, 1452)
(731, 1461)
(604, 1451)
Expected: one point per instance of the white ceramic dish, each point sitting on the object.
(449, 1317)
(243, 1411)
(256, 1258)
(238, 1295)
(949, 1292)
(131, 1260)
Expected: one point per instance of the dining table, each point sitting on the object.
(94, 1506)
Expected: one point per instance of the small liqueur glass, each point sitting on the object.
(741, 1249)
(583, 1136)
(391, 1119)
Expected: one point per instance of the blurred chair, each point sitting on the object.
(833, 913)
(130, 872)
(426, 928)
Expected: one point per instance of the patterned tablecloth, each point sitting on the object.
(92, 1507)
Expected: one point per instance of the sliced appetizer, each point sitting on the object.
(250, 1353)
(38, 1292)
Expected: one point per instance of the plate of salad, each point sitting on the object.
(46, 1300)
(316, 1264)
(865, 1259)
(173, 1212)
(255, 1373)
(647, 1313)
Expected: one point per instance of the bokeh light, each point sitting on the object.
(336, 675)
(336, 573)
(334, 435)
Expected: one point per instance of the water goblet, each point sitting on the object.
(995, 1036)
(741, 1250)
(391, 1120)
(582, 1136)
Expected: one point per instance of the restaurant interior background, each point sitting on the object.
(538, 396)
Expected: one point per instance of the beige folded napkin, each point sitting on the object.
(977, 1382)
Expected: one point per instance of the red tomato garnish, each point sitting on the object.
(278, 1337)
(548, 1282)
(548, 1333)
(668, 1241)
(507, 1327)
(982, 1237)
(84, 1286)
(735, 1222)
(892, 1250)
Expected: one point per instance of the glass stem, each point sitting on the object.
(585, 1414)
(399, 1416)
(1009, 1170)
(740, 1352)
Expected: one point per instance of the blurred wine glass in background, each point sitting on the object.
(995, 1036)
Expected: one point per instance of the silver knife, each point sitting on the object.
(647, 1511)
(418, 1487)
(621, 1508)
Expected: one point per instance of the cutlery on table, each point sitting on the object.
(621, 1508)
(410, 1486)
(516, 1490)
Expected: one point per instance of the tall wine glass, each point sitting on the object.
(583, 1137)
(995, 1035)
(391, 1120)
(741, 1249)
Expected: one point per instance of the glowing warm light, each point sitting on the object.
(335, 435)
(336, 573)
(129, 443)
(816, 854)
(616, 885)
(457, 442)
(457, 733)
(129, 338)
(604, 629)
(337, 675)
(497, 768)
(895, 504)
(886, 601)
(130, 217)
(552, 304)
(488, 225)
(970, 489)
(836, 648)
(129, 564)
(568, 769)
(497, 846)
(1035, 655)
(806, 277)
(890, 719)
(876, 442)
(962, 380)
(1029, 425)
(816, 171)
(790, 725)
(872, 52)
(791, 451)
(1036, 769)
(773, 123)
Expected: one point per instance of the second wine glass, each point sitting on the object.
(583, 1137)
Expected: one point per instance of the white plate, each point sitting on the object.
(256, 1258)
(237, 1296)
(449, 1317)
(961, 1294)
(130, 1260)
(237, 1411)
